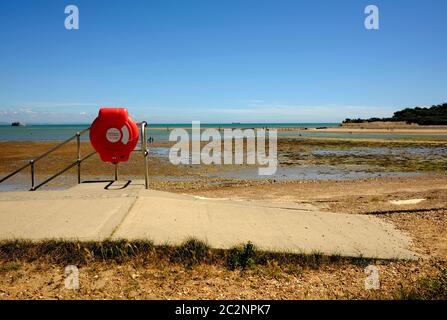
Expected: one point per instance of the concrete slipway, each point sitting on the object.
(91, 211)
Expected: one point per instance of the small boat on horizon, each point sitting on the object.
(17, 124)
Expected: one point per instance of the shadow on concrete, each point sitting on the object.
(117, 185)
(111, 184)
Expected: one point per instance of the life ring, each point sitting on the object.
(114, 134)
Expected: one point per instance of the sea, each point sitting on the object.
(60, 132)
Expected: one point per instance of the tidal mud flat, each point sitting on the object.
(299, 159)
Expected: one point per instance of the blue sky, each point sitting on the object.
(220, 61)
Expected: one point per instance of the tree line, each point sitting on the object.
(434, 115)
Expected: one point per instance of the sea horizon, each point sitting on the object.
(54, 132)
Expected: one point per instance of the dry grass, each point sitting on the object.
(190, 253)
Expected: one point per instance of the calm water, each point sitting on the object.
(317, 172)
(62, 132)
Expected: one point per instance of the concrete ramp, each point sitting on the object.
(120, 211)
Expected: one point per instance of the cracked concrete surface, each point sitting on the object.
(93, 211)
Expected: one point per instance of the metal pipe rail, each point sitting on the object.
(79, 160)
(32, 163)
(145, 153)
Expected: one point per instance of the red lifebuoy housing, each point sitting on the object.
(114, 134)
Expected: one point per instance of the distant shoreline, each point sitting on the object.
(385, 131)
(398, 129)
(162, 132)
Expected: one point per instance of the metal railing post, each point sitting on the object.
(78, 143)
(33, 175)
(145, 153)
(116, 171)
(146, 174)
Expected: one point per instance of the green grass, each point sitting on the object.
(241, 256)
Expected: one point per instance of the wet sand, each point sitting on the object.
(299, 159)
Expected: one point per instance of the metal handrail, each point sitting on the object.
(79, 160)
(15, 172)
(32, 163)
(76, 136)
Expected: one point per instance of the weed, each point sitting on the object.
(241, 256)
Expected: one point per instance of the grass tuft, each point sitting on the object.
(191, 252)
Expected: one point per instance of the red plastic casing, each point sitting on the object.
(114, 134)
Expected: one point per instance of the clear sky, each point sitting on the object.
(220, 60)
